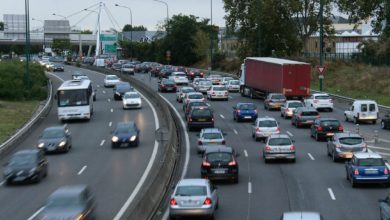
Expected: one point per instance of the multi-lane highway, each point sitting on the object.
(265, 191)
(112, 174)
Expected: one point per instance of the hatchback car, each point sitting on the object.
(167, 85)
(69, 202)
(301, 216)
(324, 128)
(220, 163)
(218, 92)
(319, 101)
(215, 79)
(264, 127)
(225, 80)
(131, 100)
(196, 81)
(179, 78)
(193, 197)
(279, 146)
(287, 109)
(344, 145)
(204, 86)
(77, 75)
(210, 136)
(120, 89)
(233, 85)
(111, 80)
(304, 116)
(200, 117)
(125, 134)
(188, 107)
(180, 93)
(55, 139)
(274, 101)
(26, 166)
(128, 68)
(367, 167)
(244, 111)
(58, 67)
(385, 122)
(193, 96)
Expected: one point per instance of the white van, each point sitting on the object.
(362, 110)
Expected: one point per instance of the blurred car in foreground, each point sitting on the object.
(26, 166)
(69, 202)
(245, 111)
(131, 100)
(55, 139)
(344, 145)
(125, 134)
(193, 197)
(301, 216)
(279, 146)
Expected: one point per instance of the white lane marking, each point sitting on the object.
(104, 91)
(290, 134)
(222, 116)
(36, 213)
(152, 159)
(230, 97)
(386, 154)
(110, 124)
(311, 156)
(187, 155)
(109, 100)
(112, 110)
(82, 170)
(2, 182)
(249, 187)
(235, 131)
(245, 153)
(381, 148)
(331, 194)
(102, 142)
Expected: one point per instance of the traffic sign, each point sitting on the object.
(321, 70)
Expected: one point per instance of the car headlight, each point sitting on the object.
(80, 217)
(118, 93)
(62, 143)
(114, 139)
(32, 170)
(133, 138)
(41, 145)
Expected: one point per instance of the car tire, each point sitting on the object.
(330, 109)
(353, 183)
(346, 118)
(39, 177)
(113, 145)
(317, 137)
(293, 160)
(374, 122)
(355, 120)
(327, 150)
(334, 158)
(235, 181)
(172, 218)
(347, 176)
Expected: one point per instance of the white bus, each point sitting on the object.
(75, 100)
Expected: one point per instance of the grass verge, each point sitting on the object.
(13, 115)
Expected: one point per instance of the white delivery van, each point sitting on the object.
(362, 110)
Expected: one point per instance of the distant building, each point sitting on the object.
(56, 29)
(14, 26)
(142, 36)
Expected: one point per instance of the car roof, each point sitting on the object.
(211, 130)
(266, 119)
(194, 181)
(293, 101)
(365, 155)
(279, 136)
(367, 101)
(29, 151)
(347, 134)
(320, 93)
(301, 216)
(218, 148)
(72, 190)
(245, 103)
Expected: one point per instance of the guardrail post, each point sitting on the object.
(376, 141)
(357, 129)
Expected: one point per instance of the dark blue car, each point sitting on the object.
(367, 167)
(125, 134)
(244, 111)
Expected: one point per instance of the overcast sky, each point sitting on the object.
(148, 13)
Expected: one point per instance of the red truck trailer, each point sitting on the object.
(263, 75)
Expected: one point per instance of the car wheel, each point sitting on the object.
(265, 160)
(353, 183)
(113, 145)
(346, 118)
(334, 158)
(355, 120)
(257, 139)
(235, 181)
(317, 137)
(374, 122)
(67, 149)
(172, 218)
(331, 109)
(39, 177)
(293, 160)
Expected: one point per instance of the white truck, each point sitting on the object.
(319, 101)
(362, 110)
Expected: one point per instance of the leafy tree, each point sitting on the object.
(61, 45)
(1, 26)
(86, 32)
(128, 27)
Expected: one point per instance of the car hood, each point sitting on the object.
(125, 135)
(61, 213)
(50, 140)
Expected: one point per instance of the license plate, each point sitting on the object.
(169, 89)
(329, 134)
(201, 119)
(219, 171)
(309, 121)
(371, 171)
(247, 117)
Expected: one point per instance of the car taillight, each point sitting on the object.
(238, 111)
(232, 163)
(200, 143)
(278, 130)
(255, 111)
(207, 201)
(192, 73)
(201, 73)
(267, 148)
(319, 128)
(212, 119)
(257, 129)
(173, 201)
(338, 145)
(292, 148)
(189, 119)
(223, 142)
(356, 172)
(286, 110)
(205, 163)
(341, 128)
(386, 171)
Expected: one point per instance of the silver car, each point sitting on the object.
(218, 92)
(301, 216)
(210, 136)
(196, 81)
(287, 109)
(279, 146)
(204, 86)
(193, 197)
(180, 93)
(111, 80)
(264, 127)
(344, 145)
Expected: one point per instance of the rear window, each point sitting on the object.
(123, 86)
(267, 123)
(372, 107)
(351, 140)
(334, 123)
(309, 113)
(279, 141)
(195, 96)
(234, 82)
(247, 107)
(219, 157)
(219, 88)
(180, 74)
(212, 136)
(322, 97)
(191, 191)
(278, 97)
(205, 83)
(201, 112)
(295, 105)
(370, 162)
(187, 90)
(168, 82)
(132, 96)
(363, 107)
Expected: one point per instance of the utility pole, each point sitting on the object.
(258, 18)
(27, 49)
(211, 35)
(321, 76)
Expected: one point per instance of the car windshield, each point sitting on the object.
(333, 123)
(351, 140)
(247, 107)
(295, 105)
(132, 96)
(123, 86)
(322, 97)
(195, 96)
(53, 133)
(370, 162)
(168, 82)
(180, 74)
(219, 157)
(226, 79)
(201, 112)
(63, 201)
(187, 90)
(205, 83)
(191, 191)
(267, 123)
(219, 88)
(124, 128)
(279, 141)
(112, 78)
(309, 113)
(22, 159)
(278, 97)
(234, 82)
(212, 136)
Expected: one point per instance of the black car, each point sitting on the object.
(385, 122)
(188, 106)
(195, 73)
(26, 166)
(304, 116)
(58, 67)
(55, 139)
(165, 72)
(200, 117)
(125, 134)
(324, 128)
(69, 202)
(167, 85)
(219, 163)
(121, 88)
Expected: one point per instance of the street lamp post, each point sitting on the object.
(131, 30)
(44, 39)
(60, 16)
(211, 35)
(27, 49)
(321, 40)
(166, 5)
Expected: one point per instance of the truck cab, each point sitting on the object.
(362, 110)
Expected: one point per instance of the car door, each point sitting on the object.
(331, 144)
(349, 113)
(42, 162)
(214, 195)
